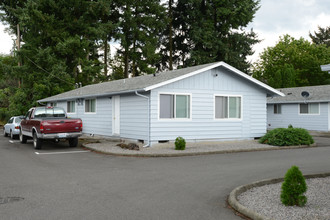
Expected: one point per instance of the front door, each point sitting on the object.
(116, 115)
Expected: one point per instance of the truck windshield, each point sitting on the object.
(53, 112)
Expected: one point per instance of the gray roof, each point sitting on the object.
(146, 83)
(294, 95)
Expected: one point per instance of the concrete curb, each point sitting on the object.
(233, 202)
(182, 153)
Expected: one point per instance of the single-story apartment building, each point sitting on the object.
(208, 102)
(303, 107)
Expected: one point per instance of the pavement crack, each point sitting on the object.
(5, 200)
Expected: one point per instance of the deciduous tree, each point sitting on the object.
(293, 62)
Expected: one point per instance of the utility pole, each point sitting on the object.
(18, 44)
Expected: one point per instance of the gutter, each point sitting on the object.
(298, 102)
(148, 99)
(88, 96)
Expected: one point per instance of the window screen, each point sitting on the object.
(90, 105)
(310, 108)
(174, 106)
(182, 106)
(277, 109)
(71, 106)
(166, 106)
(221, 107)
(227, 107)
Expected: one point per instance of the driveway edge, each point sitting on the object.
(233, 202)
(182, 153)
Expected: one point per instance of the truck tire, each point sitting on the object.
(37, 142)
(73, 142)
(22, 138)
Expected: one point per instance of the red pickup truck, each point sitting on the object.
(49, 123)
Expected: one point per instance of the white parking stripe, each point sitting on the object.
(68, 152)
(11, 141)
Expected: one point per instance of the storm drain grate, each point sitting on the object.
(4, 200)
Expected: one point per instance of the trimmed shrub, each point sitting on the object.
(293, 188)
(180, 143)
(287, 137)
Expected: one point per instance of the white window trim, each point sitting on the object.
(175, 119)
(90, 113)
(228, 119)
(308, 104)
(75, 107)
(329, 116)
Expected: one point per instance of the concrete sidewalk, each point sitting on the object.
(108, 146)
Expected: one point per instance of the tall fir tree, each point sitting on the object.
(139, 25)
(213, 30)
(322, 36)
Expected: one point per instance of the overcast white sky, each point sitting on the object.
(274, 18)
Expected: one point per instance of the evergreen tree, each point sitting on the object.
(60, 43)
(213, 30)
(139, 25)
(322, 36)
(293, 188)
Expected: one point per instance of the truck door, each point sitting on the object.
(26, 124)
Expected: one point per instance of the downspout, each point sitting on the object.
(148, 99)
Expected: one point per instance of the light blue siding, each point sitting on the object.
(290, 115)
(99, 122)
(134, 117)
(202, 125)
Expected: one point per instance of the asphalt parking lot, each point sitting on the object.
(59, 182)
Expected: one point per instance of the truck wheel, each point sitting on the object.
(22, 138)
(73, 142)
(4, 132)
(37, 142)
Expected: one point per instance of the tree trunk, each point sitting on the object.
(106, 56)
(170, 35)
(126, 62)
(18, 44)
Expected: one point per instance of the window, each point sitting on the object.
(174, 106)
(228, 107)
(49, 112)
(18, 120)
(71, 107)
(90, 105)
(10, 121)
(28, 114)
(277, 109)
(53, 104)
(310, 108)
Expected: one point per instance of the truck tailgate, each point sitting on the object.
(61, 125)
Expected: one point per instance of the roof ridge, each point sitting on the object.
(305, 87)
